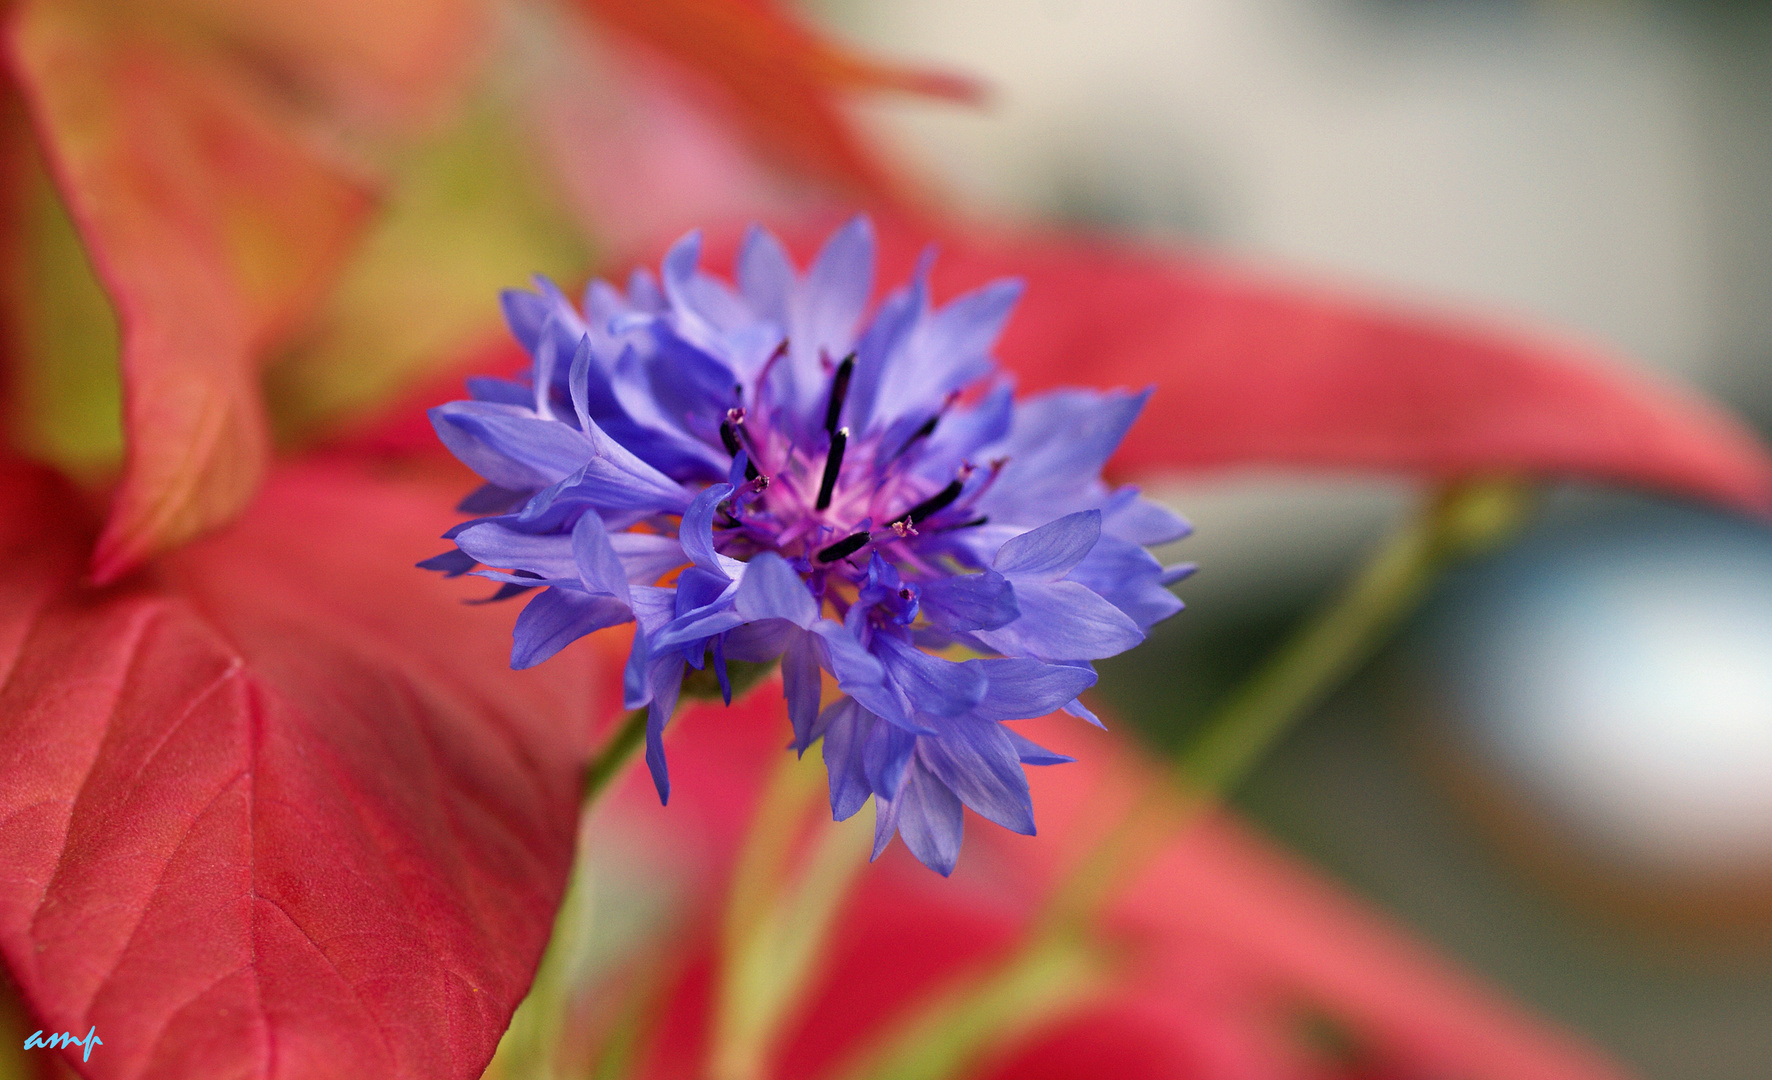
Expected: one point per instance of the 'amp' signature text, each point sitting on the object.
(65, 1039)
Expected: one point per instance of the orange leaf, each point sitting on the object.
(211, 223)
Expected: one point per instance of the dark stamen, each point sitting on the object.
(843, 548)
(729, 438)
(980, 520)
(839, 392)
(833, 463)
(934, 503)
(923, 432)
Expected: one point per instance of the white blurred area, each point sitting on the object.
(1599, 166)
(1623, 677)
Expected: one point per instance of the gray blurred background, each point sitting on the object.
(1561, 772)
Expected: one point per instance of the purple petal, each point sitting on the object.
(771, 589)
(509, 445)
(979, 762)
(969, 601)
(801, 681)
(697, 529)
(558, 617)
(846, 727)
(1032, 753)
(933, 685)
(1128, 577)
(599, 567)
(1063, 620)
(927, 815)
(667, 682)
(647, 556)
(1048, 552)
(1022, 689)
(452, 563)
(765, 275)
(885, 756)
(548, 555)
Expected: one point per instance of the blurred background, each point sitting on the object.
(1561, 772)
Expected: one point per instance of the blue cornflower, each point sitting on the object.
(759, 474)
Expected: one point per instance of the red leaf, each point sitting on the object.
(276, 807)
(1251, 370)
(783, 80)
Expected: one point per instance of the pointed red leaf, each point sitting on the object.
(276, 807)
(1253, 370)
(784, 82)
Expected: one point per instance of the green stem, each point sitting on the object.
(526, 1052)
(778, 921)
(1459, 519)
(1342, 635)
(614, 756)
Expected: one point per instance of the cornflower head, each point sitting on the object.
(758, 474)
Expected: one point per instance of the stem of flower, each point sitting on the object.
(777, 922)
(529, 1045)
(616, 753)
(1458, 520)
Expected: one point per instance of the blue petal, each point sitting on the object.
(501, 391)
(846, 727)
(933, 685)
(492, 499)
(1140, 520)
(979, 762)
(969, 601)
(771, 589)
(1082, 712)
(760, 642)
(608, 477)
(897, 315)
(548, 555)
(704, 608)
(765, 275)
(558, 617)
(453, 563)
(1044, 472)
(653, 608)
(1128, 577)
(1048, 552)
(838, 284)
(525, 313)
(927, 815)
(823, 314)
(599, 567)
(697, 530)
(1021, 689)
(885, 756)
(946, 350)
(1032, 753)
(647, 556)
(508, 444)
(667, 682)
(801, 681)
(963, 434)
(1062, 620)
